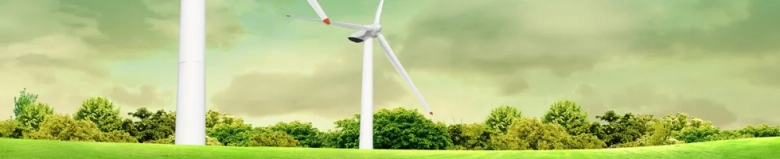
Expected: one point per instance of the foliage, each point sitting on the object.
(347, 134)
(397, 128)
(585, 141)
(622, 129)
(762, 130)
(23, 100)
(228, 134)
(172, 139)
(117, 136)
(63, 127)
(30, 117)
(152, 125)
(470, 136)
(697, 134)
(658, 133)
(401, 128)
(273, 139)
(305, 133)
(569, 115)
(215, 117)
(500, 118)
(729, 135)
(563, 126)
(8, 128)
(531, 133)
(100, 111)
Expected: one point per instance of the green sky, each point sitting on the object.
(717, 59)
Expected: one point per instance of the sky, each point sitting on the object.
(716, 59)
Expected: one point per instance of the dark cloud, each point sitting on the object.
(142, 96)
(646, 100)
(765, 75)
(745, 28)
(333, 90)
(500, 37)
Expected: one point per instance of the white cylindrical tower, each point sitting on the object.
(191, 93)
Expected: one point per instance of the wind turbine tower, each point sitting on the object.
(191, 93)
(366, 34)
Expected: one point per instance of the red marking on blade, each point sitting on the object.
(326, 20)
(430, 113)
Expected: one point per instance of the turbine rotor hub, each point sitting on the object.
(374, 29)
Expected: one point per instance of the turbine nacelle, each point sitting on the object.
(359, 36)
(370, 31)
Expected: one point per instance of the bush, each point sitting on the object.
(117, 136)
(8, 128)
(762, 130)
(534, 133)
(63, 127)
(273, 139)
(172, 139)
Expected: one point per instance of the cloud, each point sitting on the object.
(499, 38)
(73, 46)
(142, 96)
(222, 20)
(332, 90)
(644, 98)
(764, 74)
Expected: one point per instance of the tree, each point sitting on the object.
(569, 115)
(30, 117)
(100, 111)
(401, 128)
(622, 129)
(65, 128)
(729, 135)
(538, 135)
(677, 121)
(585, 141)
(23, 100)
(762, 130)
(398, 128)
(305, 133)
(117, 136)
(273, 139)
(347, 134)
(697, 134)
(228, 134)
(470, 136)
(213, 118)
(658, 133)
(691, 129)
(8, 128)
(152, 125)
(504, 141)
(500, 118)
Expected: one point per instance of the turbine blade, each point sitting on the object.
(341, 24)
(379, 11)
(397, 64)
(316, 6)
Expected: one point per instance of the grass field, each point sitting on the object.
(759, 148)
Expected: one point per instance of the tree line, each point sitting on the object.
(563, 126)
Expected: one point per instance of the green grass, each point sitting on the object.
(758, 148)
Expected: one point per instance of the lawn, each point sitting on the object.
(758, 148)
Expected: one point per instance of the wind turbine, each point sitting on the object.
(365, 35)
(191, 93)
